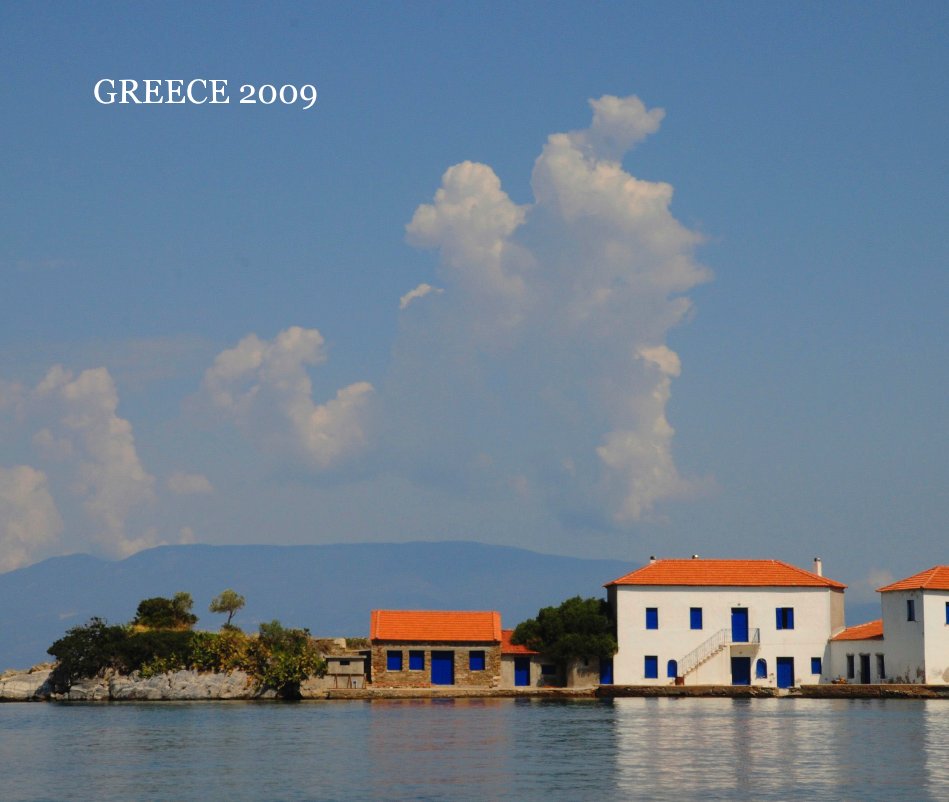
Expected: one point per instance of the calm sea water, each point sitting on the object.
(658, 749)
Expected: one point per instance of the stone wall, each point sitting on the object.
(490, 677)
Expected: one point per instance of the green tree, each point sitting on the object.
(161, 613)
(86, 650)
(578, 628)
(283, 658)
(228, 601)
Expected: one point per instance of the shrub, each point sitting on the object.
(86, 650)
(283, 658)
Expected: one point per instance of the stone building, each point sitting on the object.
(432, 648)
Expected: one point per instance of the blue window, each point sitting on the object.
(651, 667)
(851, 673)
(393, 661)
(548, 670)
(476, 660)
(416, 661)
(695, 618)
(784, 617)
(947, 612)
(761, 669)
(910, 610)
(815, 665)
(652, 618)
(672, 669)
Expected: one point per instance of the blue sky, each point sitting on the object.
(718, 330)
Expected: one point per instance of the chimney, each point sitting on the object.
(695, 556)
(818, 566)
(652, 559)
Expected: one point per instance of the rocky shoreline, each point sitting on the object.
(34, 685)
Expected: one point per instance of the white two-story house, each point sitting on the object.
(724, 622)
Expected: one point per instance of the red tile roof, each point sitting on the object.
(725, 573)
(935, 578)
(872, 630)
(512, 648)
(435, 625)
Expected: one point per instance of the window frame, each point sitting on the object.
(416, 660)
(651, 666)
(696, 618)
(783, 618)
(476, 657)
(652, 618)
(817, 665)
(394, 660)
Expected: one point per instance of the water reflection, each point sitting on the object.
(662, 749)
(765, 749)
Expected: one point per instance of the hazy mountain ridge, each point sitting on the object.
(330, 588)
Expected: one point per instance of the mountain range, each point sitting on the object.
(329, 589)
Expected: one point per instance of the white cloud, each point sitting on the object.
(99, 445)
(548, 345)
(419, 292)
(30, 524)
(264, 388)
(189, 484)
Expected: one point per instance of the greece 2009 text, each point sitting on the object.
(198, 91)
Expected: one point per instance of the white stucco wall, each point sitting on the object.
(936, 634)
(905, 653)
(872, 647)
(817, 615)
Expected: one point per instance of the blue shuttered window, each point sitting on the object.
(947, 612)
(651, 667)
(761, 669)
(393, 661)
(416, 661)
(672, 669)
(910, 610)
(784, 618)
(695, 618)
(652, 618)
(476, 661)
(815, 665)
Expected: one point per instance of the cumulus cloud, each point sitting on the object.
(30, 523)
(263, 387)
(548, 346)
(109, 476)
(189, 484)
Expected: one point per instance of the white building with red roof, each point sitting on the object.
(724, 622)
(910, 643)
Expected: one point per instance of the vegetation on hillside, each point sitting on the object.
(160, 639)
(578, 628)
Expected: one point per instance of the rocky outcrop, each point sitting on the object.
(182, 686)
(31, 685)
(175, 686)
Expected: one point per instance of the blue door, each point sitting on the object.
(741, 671)
(785, 672)
(606, 671)
(522, 671)
(739, 624)
(443, 668)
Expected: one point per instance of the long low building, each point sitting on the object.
(428, 648)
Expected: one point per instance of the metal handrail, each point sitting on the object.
(712, 646)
